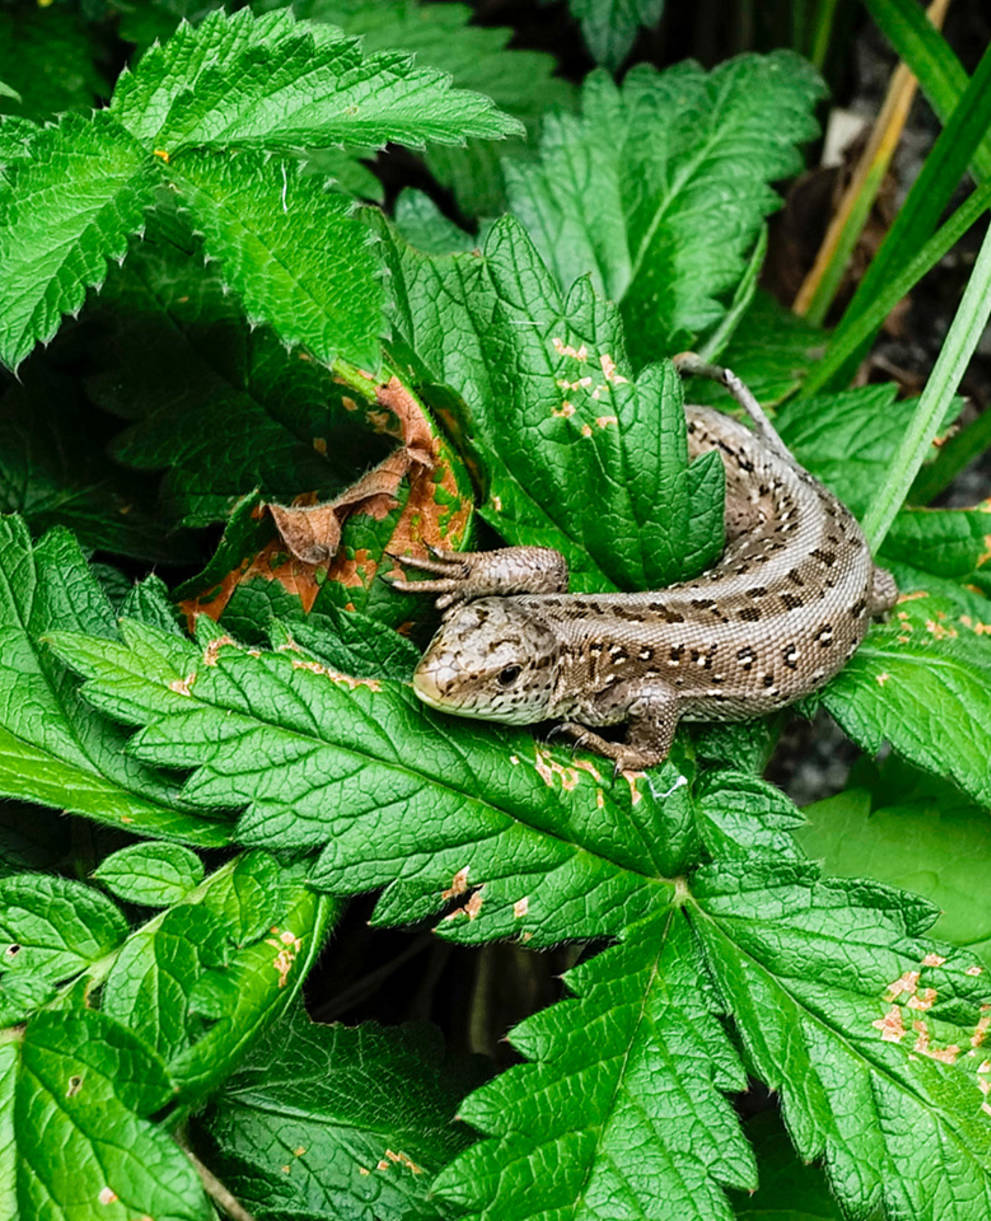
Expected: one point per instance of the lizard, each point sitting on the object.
(781, 611)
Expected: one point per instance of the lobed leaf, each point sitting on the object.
(294, 252)
(484, 816)
(53, 750)
(872, 1034)
(659, 189)
(552, 411)
(362, 1118)
(76, 1089)
(65, 210)
(920, 682)
(269, 81)
(622, 1113)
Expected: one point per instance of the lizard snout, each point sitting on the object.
(432, 679)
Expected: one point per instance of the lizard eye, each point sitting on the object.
(509, 675)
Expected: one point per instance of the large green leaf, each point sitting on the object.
(660, 188)
(553, 410)
(622, 1113)
(272, 82)
(914, 831)
(439, 35)
(920, 682)
(872, 1034)
(76, 1089)
(332, 1122)
(293, 251)
(399, 801)
(65, 210)
(53, 750)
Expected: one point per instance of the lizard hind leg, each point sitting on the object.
(884, 592)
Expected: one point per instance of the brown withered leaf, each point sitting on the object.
(306, 552)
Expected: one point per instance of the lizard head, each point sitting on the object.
(491, 659)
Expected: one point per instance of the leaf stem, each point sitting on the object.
(961, 340)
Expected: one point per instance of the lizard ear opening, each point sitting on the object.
(509, 675)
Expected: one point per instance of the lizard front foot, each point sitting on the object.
(461, 575)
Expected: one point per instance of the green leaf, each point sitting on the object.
(439, 35)
(660, 188)
(742, 817)
(622, 1113)
(871, 1033)
(15, 141)
(77, 1088)
(53, 750)
(423, 225)
(148, 987)
(913, 831)
(221, 406)
(399, 800)
(609, 27)
(361, 1117)
(949, 543)
(47, 56)
(920, 682)
(55, 928)
(552, 411)
(294, 252)
(237, 80)
(66, 209)
(154, 875)
(848, 440)
(352, 643)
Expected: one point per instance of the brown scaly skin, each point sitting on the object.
(783, 610)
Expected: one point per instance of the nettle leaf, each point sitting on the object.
(439, 35)
(741, 817)
(622, 1114)
(329, 1121)
(65, 210)
(53, 750)
(55, 927)
(609, 27)
(553, 411)
(294, 252)
(849, 439)
(872, 1034)
(15, 140)
(920, 681)
(659, 189)
(154, 875)
(273, 82)
(76, 1089)
(910, 830)
(519, 833)
(952, 544)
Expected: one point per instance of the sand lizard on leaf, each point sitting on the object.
(782, 610)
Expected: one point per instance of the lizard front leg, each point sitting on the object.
(651, 711)
(462, 575)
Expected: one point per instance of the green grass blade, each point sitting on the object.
(929, 195)
(941, 76)
(961, 340)
(853, 333)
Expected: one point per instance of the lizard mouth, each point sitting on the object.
(429, 682)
